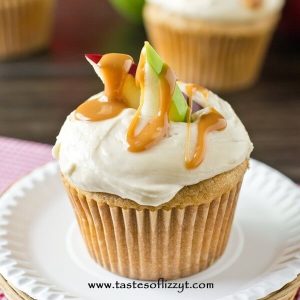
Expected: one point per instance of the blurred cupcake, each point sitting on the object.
(25, 26)
(153, 178)
(217, 43)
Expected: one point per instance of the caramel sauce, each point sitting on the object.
(114, 69)
(208, 122)
(203, 91)
(97, 110)
(157, 127)
(253, 4)
(189, 90)
(191, 87)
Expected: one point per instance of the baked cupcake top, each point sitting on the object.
(147, 135)
(222, 10)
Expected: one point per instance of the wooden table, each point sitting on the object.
(37, 93)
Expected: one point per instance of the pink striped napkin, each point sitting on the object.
(17, 158)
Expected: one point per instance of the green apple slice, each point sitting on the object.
(154, 59)
(151, 92)
(179, 107)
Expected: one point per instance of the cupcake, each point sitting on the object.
(25, 26)
(216, 43)
(153, 168)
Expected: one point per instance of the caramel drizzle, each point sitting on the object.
(208, 122)
(114, 69)
(97, 110)
(253, 4)
(157, 127)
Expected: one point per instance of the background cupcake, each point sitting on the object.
(151, 203)
(25, 26)
(219, 44)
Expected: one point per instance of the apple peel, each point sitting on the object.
(94, 59)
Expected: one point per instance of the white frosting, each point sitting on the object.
(94, 155)
(220, 10)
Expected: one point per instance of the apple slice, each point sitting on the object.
(94, 60)
(179, 107)
(131, 92)
(151, 99)
(154, 59)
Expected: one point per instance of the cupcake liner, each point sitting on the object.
(31, 195)
(25, 26)
(221, 56)
(151, 244)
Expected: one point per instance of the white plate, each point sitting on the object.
(42, 253)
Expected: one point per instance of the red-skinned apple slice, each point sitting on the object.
(94, 59)
(130, 91)
(132, 70)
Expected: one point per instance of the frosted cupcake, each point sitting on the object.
(25, 26)
(217, 43)
(153, 169)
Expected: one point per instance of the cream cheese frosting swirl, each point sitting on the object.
(222, 10)
(94, 156)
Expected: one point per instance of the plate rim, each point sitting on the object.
(51, 168)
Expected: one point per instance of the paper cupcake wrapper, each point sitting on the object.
(25, 26)
(214, 56)
(152, 244)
